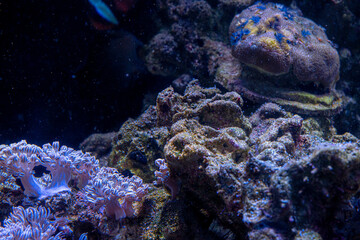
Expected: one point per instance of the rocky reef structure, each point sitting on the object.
(222, 174)
(250, 182)
(251, 176)
(138, 144)
(99, 145)
(153, 127)
(205, 166)
(188, 34)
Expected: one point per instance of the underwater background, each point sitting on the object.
(179, 119)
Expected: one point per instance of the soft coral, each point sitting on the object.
(20, 159)
(113, 194)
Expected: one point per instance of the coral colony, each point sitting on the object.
(32, 223)
(276, 39)
(103, 187)
(63, 163)
(114, 194)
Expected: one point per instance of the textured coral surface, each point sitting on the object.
(277, 39)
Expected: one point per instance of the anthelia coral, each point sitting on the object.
(20, 158)
(32, 223)
(111, 193)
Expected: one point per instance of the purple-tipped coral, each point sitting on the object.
(20, 159)
(65, 162)
(276, 39)
(31, 223)
(164, 172)
(109, 191)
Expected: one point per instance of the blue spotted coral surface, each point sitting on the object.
(277, 40)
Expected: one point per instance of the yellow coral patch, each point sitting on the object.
(285, 45)
(254, 30)
(270, 43)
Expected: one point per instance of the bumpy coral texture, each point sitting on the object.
(113, 194)
(276, 39)
(21, 158)
(209, 140)
(31, 223)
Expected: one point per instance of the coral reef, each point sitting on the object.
(247, 173)
(270, 175)
(150, 132)
(304, 61)
(205, 104)
(54, 177)
(184, 27)
(205, 159)
(300, 62)
(206, 162)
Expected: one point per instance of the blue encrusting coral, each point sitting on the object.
(237, 36)
(255, 19)
(279, 37)
(305, 33)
